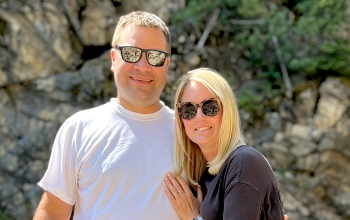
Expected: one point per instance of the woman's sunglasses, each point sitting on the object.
(133, 55)
(188, 110)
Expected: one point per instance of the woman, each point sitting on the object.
(235, 180)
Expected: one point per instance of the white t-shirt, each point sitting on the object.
(111, 163)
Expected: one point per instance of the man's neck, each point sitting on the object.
(142, 109)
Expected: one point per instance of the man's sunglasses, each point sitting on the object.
(188, 110)
(133, 55)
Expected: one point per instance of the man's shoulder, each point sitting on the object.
(167, 111)
(91, 113)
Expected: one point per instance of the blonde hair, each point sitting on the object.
(188, 158)
(141, 18)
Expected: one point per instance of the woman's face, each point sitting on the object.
(202, 130)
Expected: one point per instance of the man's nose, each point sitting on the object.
(143, 65)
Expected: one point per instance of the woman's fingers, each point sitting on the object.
(175, 182)
(181, 197)
(187, 189)
(173, 186)
(170, 195)
(199, 194)
(183, 184)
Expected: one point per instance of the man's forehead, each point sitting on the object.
(143, 36)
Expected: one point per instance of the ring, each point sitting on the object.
(176, 195)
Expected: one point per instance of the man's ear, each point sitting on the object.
(112, 59)
(168, 61)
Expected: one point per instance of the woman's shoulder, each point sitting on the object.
(246, 153)
(249, 159)
(253, 166)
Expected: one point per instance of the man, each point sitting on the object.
(110, 161)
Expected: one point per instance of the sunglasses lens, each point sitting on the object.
(188, 111)
(210, 108)
(131, 54)
(156, 58)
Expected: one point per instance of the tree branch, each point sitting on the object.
(247, 22)
(283, 67)
(208, 28)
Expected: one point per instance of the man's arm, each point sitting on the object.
(52, 208)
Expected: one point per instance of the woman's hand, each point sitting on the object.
(185, 204)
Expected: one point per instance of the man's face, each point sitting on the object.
(139, 84)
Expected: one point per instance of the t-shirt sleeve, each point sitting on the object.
(242, 202)
(60, 178)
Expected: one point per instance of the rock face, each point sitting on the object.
(311, 155)
(55, 61)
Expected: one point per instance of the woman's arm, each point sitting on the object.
(251, 190)
(242, 202)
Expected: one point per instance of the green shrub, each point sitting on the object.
(312, 35)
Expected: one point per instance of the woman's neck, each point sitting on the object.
(209, 152)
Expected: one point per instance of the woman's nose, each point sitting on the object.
(200, 114)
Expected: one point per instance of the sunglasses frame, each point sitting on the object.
(142, 51)
(200, 105)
